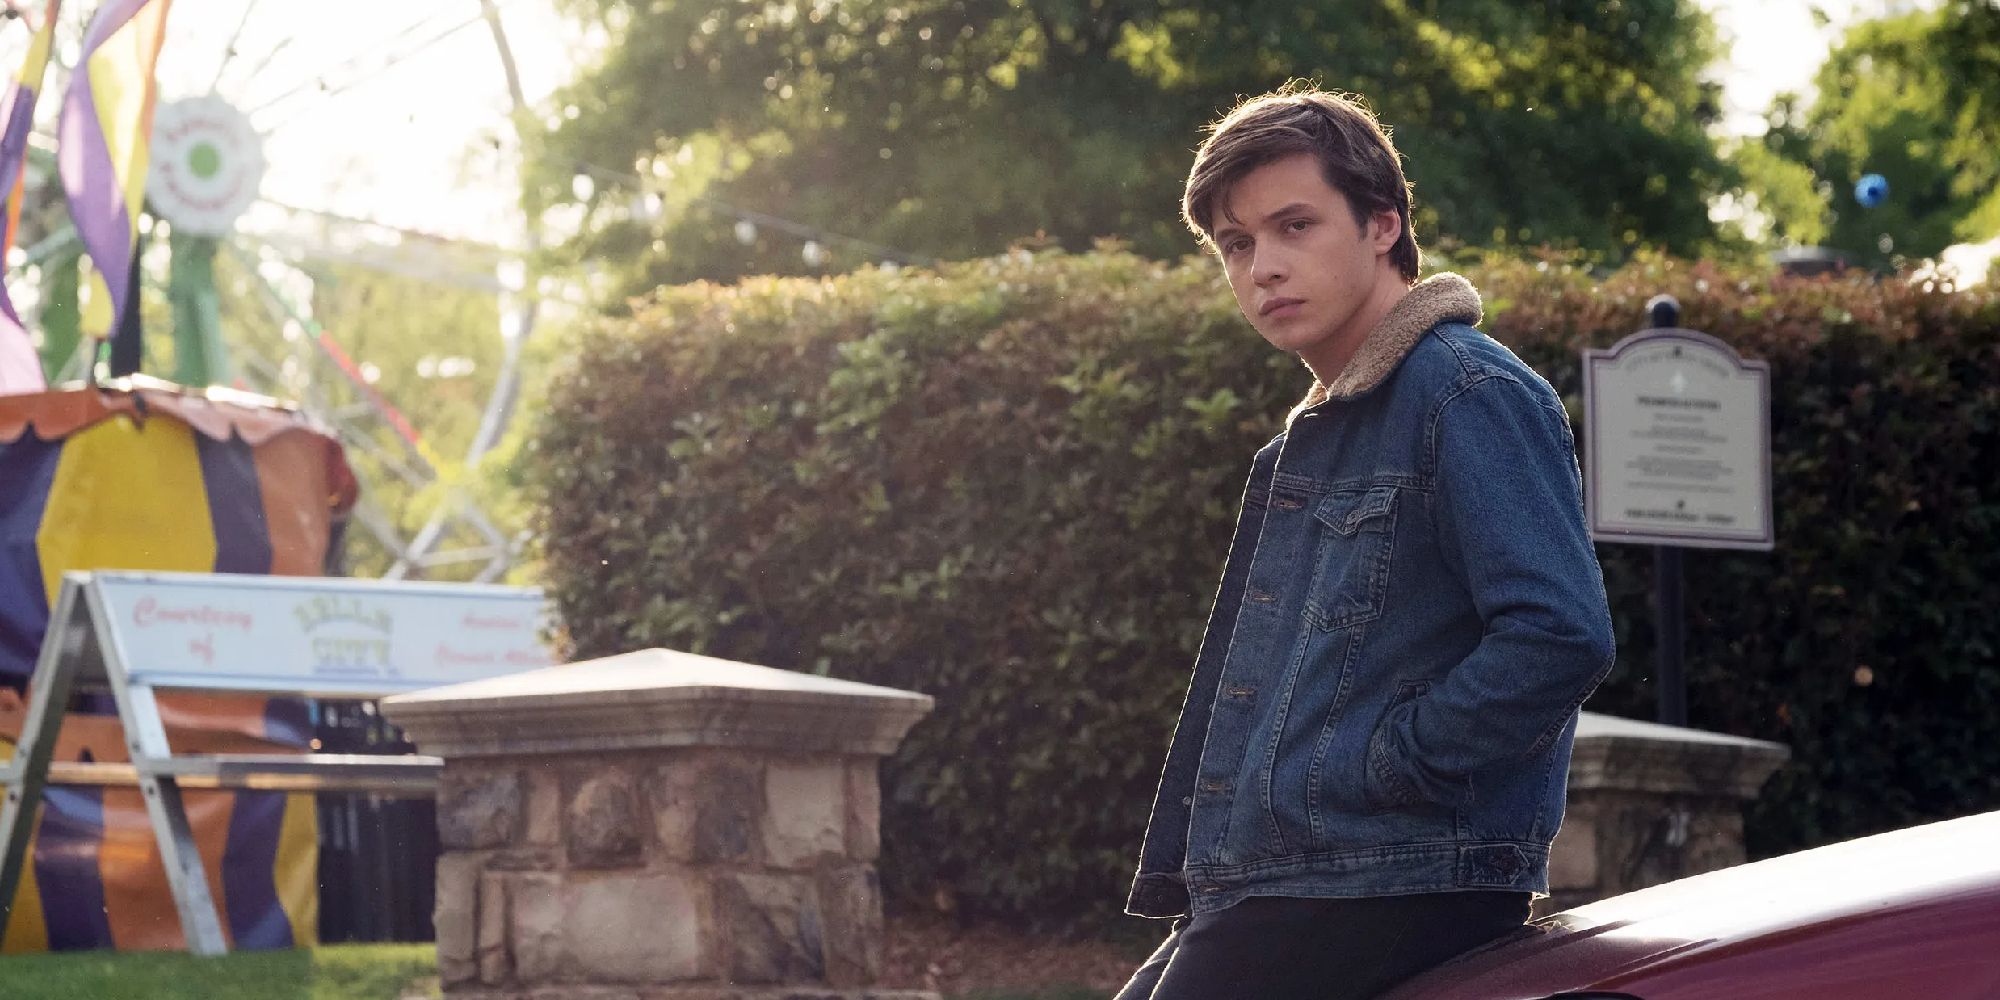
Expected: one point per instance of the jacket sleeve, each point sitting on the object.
(1508, 511)
(1158, 889)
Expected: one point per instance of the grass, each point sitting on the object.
(335, 972)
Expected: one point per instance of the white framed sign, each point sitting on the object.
(136, 632)
(1677, 432)
(322, 635)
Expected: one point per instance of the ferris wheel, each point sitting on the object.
(253, 97)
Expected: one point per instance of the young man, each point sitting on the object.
(1374, 751)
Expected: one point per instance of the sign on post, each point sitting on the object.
(317, 635)
(1678, 443)
(135, 633)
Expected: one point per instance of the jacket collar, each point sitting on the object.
(1441, 298)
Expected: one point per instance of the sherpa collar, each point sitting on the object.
(1440, 298)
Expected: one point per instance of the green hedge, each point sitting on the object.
(1010, 484)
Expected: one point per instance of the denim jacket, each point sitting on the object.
(1410, 616)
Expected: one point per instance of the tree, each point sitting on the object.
(1967, 52)
(1912, 98)
(952, 128)
(1564, 122)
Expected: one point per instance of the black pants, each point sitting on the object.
(1280, 948)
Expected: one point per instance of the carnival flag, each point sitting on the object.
(20, 369)
(106, 127)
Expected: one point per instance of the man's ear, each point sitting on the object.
(1384, 229)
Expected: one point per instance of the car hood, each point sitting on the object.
(1613, 940)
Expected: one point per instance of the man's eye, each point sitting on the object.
(1237, 245)
(1298, 225)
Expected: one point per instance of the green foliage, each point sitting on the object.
(954, 128)
(1865, 641)
(433, 352)
(1794, 203)
(1909, 98)
(1571, 122)
(1967, 52)
(1010, 483)
(437, 348)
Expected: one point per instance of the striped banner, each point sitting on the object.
(143, 476)
(104, 134)
(20, 369)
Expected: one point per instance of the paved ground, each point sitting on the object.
(933, 953)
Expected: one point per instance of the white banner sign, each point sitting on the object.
(1678, 443)
(319, 634)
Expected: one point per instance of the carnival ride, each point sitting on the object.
(217, 111)
(210, 473)
(107, 468)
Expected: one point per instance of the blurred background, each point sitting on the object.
(444, 183)
(527, 259)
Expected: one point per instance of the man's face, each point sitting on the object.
(1304, 272)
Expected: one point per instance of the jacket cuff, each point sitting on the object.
(1158, 895)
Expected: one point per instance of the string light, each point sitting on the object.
(749, 223)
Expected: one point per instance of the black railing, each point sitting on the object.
(377, 855)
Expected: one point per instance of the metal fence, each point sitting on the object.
(377, 855)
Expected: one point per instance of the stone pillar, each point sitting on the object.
(1649, 804)
(659, 826)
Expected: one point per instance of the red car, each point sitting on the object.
(1911, 914)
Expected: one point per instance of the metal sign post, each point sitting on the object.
(328, 637)
(1669, 584)
(1678, 443)
(66, 643)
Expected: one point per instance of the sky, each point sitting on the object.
(390, 110)
(397, 111)
(1773, 46)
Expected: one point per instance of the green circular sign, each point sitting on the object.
(205, 160)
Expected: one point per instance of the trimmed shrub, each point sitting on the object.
(1010, 483)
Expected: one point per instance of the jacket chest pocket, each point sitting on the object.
(1354, 539)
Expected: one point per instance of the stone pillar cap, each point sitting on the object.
(1613, 752)
(656, 698)
(1592, 725)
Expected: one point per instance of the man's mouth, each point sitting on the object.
(1286, 306)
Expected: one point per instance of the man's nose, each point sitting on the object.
(1267, 267)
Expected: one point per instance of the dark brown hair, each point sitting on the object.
(1353, 149)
